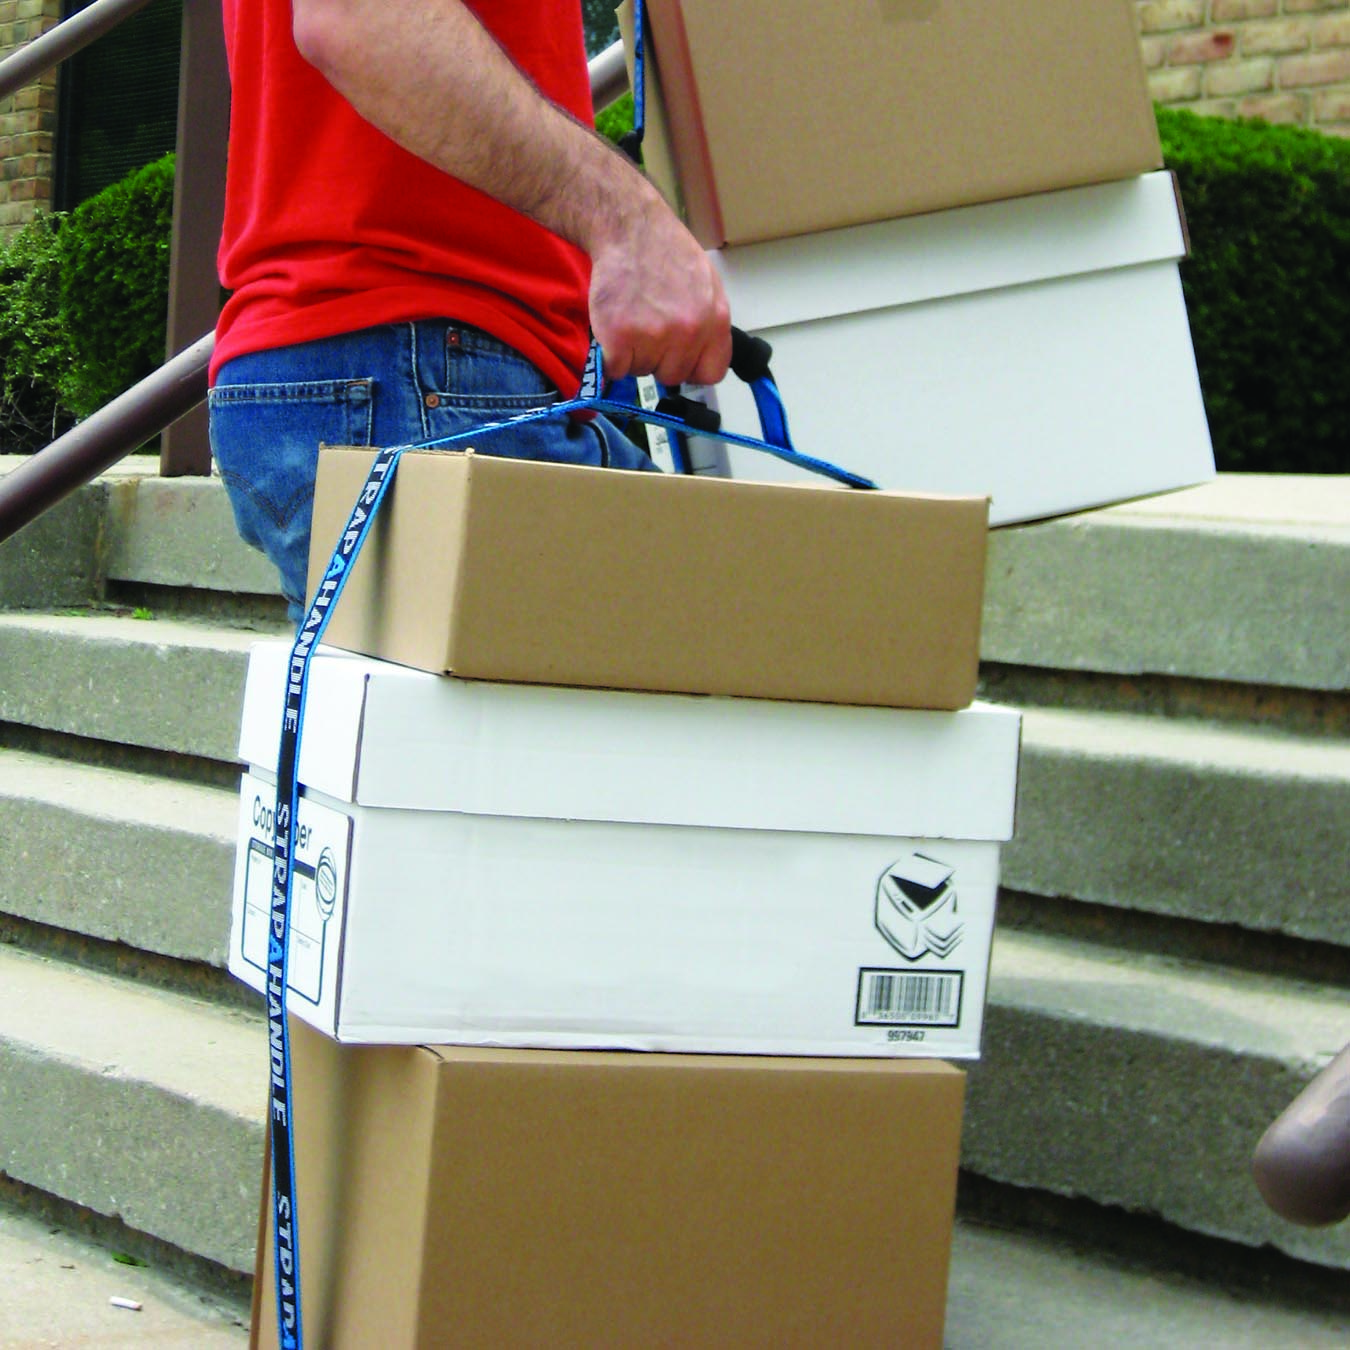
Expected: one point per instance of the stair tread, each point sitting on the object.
(120, 795)
(116, 1028)
(1159, 995)
(1227, 747)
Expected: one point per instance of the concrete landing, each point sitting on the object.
(1008, 1292)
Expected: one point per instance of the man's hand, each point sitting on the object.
(432, 78)
(657, 303)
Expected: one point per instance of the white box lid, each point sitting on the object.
(957, 252)
(384, 735)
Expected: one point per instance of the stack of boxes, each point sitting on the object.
(610, 764)
(949, 219)
(600, 764)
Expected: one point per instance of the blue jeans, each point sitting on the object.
(398, 384)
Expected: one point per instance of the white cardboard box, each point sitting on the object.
(524, 865)
(1035, 350)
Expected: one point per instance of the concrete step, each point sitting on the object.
(118, 856)
(1226, 824)
(164, 684)
(55, 560)
(1144, 1083)
(180, 532)
(1232, 581)
(130, 526)
(135, 1103)
(1136, 1083)
(1237, 580)
(1007, 1291)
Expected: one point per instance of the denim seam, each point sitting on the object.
(415, 375)
(281, 514)
(333, 393)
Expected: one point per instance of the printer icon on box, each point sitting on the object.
(916, 907)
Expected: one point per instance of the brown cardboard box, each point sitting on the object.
(515, 571)
(482, 1198)
(791, 116)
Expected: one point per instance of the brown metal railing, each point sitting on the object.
(71, 35)
(179, 386)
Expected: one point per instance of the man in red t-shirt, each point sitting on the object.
(421, 228)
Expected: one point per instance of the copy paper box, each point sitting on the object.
(502, 569)
(493, 1198)
(791, 116)
(521, 865)
(1037, 351)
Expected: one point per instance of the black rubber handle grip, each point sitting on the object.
(698, 416)
(750, 356)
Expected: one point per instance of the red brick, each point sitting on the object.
(1328, 67)
(1331, 105)
(1153, 50)
(1166, 16)
(1332, 30)
(1283, 108)
(1239, 77)
(1285, 35)
(1231, 11)
(1197, 47)
(1174, 86)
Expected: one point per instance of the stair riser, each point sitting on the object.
(1263, 852)
(1145, 1123)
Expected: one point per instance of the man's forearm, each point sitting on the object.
(432, 78)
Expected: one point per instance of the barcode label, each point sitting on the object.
(913, 998)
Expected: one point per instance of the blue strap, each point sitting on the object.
(639, 72)
(286, 1230)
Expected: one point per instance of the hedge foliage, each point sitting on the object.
(83, 306)
(1268, 288)
(33, 348)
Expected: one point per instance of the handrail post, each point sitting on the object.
(198, 210)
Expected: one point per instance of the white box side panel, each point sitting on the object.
(545, 933)
(1049, 398)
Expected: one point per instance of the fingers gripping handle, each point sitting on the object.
(750, 357)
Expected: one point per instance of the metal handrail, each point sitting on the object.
(146, 409)
(34, 59)
(96, 444)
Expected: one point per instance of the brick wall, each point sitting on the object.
(1284, 60)
(27, 120)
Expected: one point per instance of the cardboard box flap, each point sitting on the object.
(958, 252)
(424, 742)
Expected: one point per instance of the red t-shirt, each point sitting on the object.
(331, 227)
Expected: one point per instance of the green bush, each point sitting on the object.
(114, 286)
(83, 304)
(34, 352)
(616, 121)
(1268, 288)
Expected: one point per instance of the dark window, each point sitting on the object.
(601, 26)
(119, 102)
